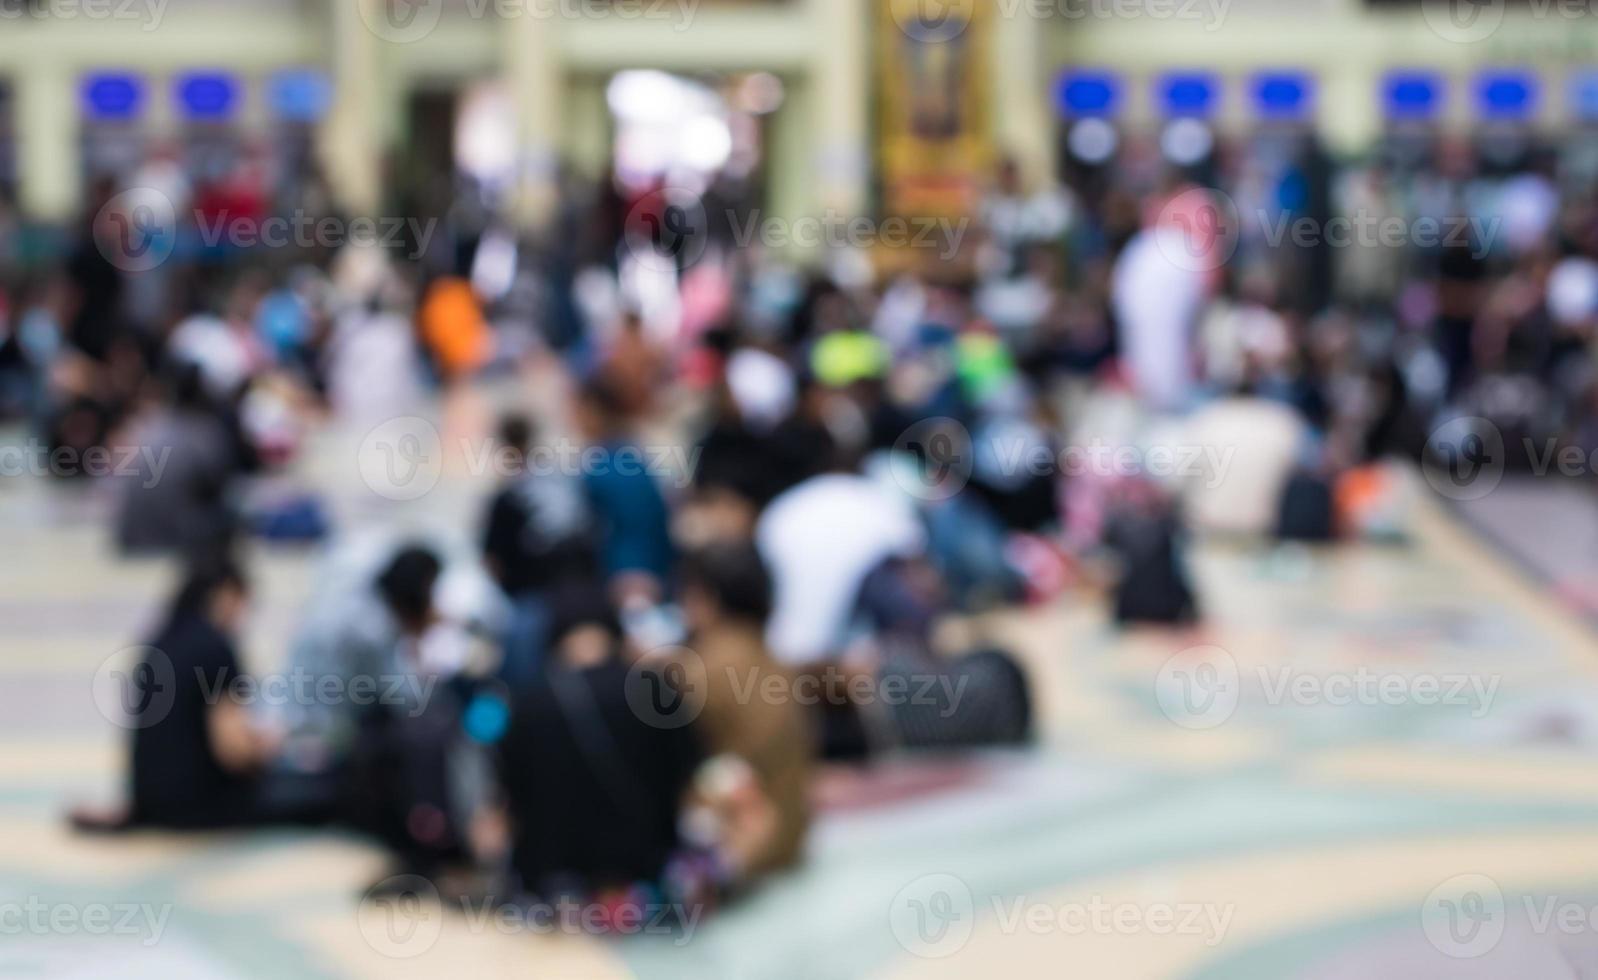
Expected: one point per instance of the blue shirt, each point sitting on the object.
(634, 527)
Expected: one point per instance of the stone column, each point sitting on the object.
(1023, 123)
(839, 86)
(536, 82)
(47, 116)
(351, 137)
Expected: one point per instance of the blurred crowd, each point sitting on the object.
(1105, 365)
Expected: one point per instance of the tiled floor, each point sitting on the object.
(1285, 835)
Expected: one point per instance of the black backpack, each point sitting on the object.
(398, 786)
(1153, 587)
(979, 699)
(1305, 510)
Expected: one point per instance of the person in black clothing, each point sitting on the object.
(196, 757)
(592, 788)
(98, 322)
(735, 459)
(538, 531)
(598, 765)
(193, 767)
(537, 537)
(759, 460)
(1461, 287)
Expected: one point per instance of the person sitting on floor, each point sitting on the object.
(633, 523)
(377, 638)
(630, 781)
(726, 597)
(538, 536)
(196, 755)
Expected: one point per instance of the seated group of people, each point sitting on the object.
(643, 720)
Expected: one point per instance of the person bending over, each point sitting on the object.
(598, 785)
(375, 636)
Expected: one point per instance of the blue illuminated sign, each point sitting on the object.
(1412, 95)
(1283, 95)
(1506, 95)
(1584, 95)
(209, 96)
(1088, 93)
(1188, 94)
(301, 95)
(113, 95)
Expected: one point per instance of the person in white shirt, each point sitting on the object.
(821, 539)
(1157, 296)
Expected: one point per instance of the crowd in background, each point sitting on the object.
(1109, 363)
